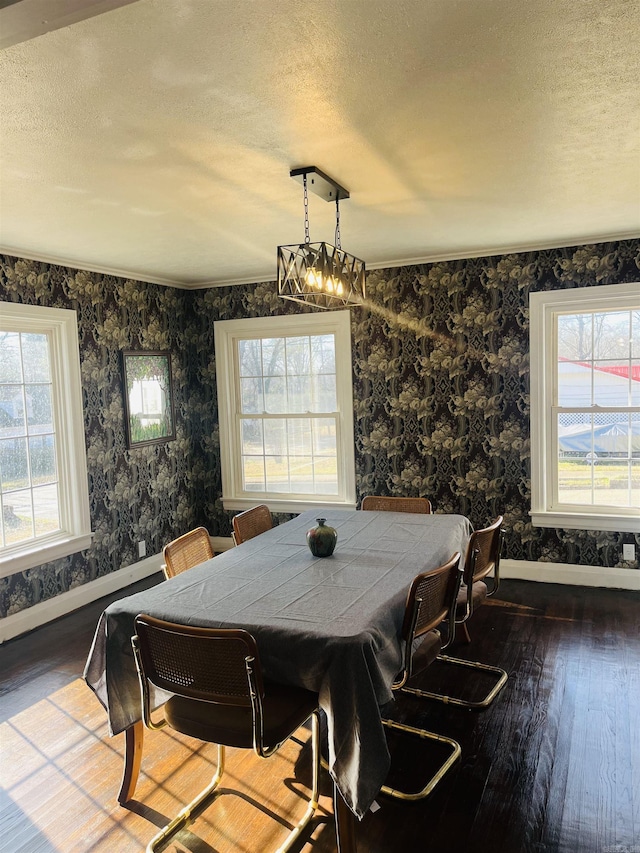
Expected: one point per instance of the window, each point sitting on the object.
(286, 411)
(585, 408)
(44, 497)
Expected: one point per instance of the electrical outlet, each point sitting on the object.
(629, 553)
(142, 548)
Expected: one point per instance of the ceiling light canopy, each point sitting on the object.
(320, 274)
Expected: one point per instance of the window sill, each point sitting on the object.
(284, 505)
(585, 521)
(38, 553)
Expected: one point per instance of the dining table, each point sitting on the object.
(329, 624)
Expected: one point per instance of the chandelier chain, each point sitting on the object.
(337, 237)
(306, 210)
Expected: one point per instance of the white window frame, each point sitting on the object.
(545, 307)
(226, 335)
(61, 327)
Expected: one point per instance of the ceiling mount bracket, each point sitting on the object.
(319, 183)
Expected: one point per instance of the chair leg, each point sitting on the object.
(206, 797)
(452, 700)
(315, 785)
(453, 756)
(191, 811)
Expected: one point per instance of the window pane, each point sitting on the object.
(611, 383)
(299, 393)
(299, 432)
(251, 399)
(14, 468)
(10, 363)
(611, 335)
(575, 337)
(324, 393)
(273, 357)
(275, 395)
(39, 411)
(327, 475)
(302, 479)
(612, 482)
(251, 437)
(45, 509)
(298, 356)
(635, 334)
(250, 354)
(12, 421)
(575, 481)
(253, 473)
(574, 384)
(275, 437)
(277, 473)
(35, 358)
(324, 437)
(42, 455)
(323, 354)
(17, 516)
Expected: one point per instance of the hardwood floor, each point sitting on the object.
(553, 766)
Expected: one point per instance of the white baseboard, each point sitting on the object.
(528, 570)
(32, 617)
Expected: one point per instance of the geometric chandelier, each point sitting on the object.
(320, 274)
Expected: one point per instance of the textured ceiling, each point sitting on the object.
(155, 140)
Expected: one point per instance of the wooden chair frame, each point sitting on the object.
(252, 522)
(382, 503)
(187, 551)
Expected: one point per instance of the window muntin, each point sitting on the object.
(285, 410)
(585, 408)
(44, 503)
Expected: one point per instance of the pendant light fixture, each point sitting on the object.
(320, 274)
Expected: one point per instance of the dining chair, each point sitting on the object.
(219, 696)
(482, 559)
(381, 503)
(187, 551)
(430, 605)
(251, 523)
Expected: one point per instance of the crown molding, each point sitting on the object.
(429, 258)
(516, 249)
(75, 264)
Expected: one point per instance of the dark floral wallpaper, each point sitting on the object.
(441, 399)
(134, 494)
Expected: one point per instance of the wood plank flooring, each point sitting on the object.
(552, 767)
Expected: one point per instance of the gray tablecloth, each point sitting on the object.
(330, 625)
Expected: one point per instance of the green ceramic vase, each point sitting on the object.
(322, 539)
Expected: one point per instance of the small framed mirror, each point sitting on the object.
(148, 397)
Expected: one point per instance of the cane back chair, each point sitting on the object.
(187, 551)
(251, 523)
(382, 503)
(431, 602)
(482, 559)
(219, 696)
